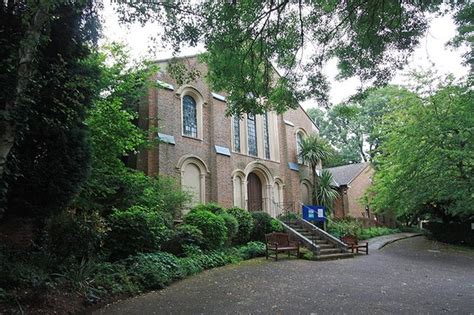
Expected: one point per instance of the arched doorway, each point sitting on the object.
(254, 193)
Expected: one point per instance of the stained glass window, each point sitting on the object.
(266, 140)
(252, 134)
(236, 134)
(189, 116)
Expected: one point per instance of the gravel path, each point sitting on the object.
(413, 275)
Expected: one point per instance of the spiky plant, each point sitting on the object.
(313, 150)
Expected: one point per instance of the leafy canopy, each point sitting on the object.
(245, 38)
(427, 160)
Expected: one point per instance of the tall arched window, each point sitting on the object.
(236, 122)
(299, 140)
(266, 137)
(190, 126)
(252, 134)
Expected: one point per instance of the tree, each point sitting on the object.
(427, 160)
(244, 39)
(50, 157)
(313, 150)
(352, 128)
(327, 194)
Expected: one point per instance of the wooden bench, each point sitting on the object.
(354, 245)
(280, 243)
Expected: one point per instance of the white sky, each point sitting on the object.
(431, 51)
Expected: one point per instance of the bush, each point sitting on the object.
(252, 249)
(231, 224)
(64, 231)
(277, 226)
(113, 278)
(376, 231)
(245, 221)
(183, 235)
(459, 233)
(343, 227)
(211, 207)
(136, 230)
(155, 270)
(262, 224)
(212, 227)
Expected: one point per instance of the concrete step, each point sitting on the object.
(334, 256)
(325, 246)
(328, 251)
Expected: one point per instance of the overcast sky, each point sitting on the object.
(432, 51)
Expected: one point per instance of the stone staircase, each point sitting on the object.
(322, 244)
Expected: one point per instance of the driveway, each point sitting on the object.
(413, 275)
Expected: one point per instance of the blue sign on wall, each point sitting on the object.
(314, 213)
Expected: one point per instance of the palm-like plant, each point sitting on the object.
(313, 150)
(327, 194)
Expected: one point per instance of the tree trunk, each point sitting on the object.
(27, 51)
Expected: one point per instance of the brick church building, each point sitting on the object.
(250, 162)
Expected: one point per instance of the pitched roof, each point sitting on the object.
(345, 174)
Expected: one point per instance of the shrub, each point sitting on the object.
(231, 224)
(289, 216)
(252, 249)
(211, 207)
(113, 278)
(183, 235)
(343, 227)
(376, 231)
(245, 221)
(212, 227)
(262, 224)
(64, 231)
(277, 226)
(154, 270)
(136, 230)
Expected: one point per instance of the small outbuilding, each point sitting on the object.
(352, 181)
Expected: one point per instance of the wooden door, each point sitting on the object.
(254, 193)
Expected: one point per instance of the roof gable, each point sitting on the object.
(345, 174)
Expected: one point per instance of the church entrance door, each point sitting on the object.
(254, 193)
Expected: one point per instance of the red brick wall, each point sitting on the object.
(164, 112)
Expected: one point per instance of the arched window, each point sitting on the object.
(190, 125)
(252, 134)
(266, 137)
(299, 140)
(236, 122)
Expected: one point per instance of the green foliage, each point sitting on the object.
(231, 224)
(114, 134)
(65, 229)
(350, 226)
(252, 249)
(46, 89)
(277, 226)
(314, 150)
(113, 279)
(353, 128)
(212, 226)
(211, 207)
(376, 231)
(288, 216)
(262, 224)
(327, 194)
(136, 230)
(428, 154)
(243, 37)
(154, 270)
(183, 235)
(245, 223)
(343, 227)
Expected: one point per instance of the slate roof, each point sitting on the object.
(343, 175)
